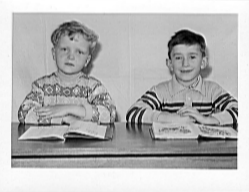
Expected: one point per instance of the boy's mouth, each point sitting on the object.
(186, 70)
(69, 64)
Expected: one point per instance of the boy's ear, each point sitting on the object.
(204, 62)
(169, 64)
(88, 60)
(93, 44)
(53, 53)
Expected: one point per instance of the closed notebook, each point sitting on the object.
(190, 131)
(81, 129)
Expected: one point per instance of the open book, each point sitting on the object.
(82, 129)
(190, 131)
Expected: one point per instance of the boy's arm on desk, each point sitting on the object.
(102, 107)
(146, 109)
(225, 107)
(33, 100)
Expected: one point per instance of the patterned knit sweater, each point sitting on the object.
(50, 90)
(169, 96)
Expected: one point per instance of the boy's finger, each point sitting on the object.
(188, 114)
(44, 109)
(182, 110)
(36, 108)
(39, 109)
(41, 113)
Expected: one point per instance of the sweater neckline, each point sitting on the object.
(62, 81)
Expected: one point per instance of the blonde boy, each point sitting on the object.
(68, 93)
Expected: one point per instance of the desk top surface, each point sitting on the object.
(128, 140)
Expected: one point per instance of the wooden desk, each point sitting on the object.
(131, 147)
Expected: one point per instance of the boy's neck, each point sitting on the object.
(66, 78)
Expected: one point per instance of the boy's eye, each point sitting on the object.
(80, 52)
(178, 57)
(63, 49)
(192, 56)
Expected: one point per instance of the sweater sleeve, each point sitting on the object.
(146, 109)
(225, 107)
(32, 100)
(102, 106)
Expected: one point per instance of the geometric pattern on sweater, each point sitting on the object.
(56, 89)
(48, 90)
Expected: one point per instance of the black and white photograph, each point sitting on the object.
(108, 95)
(127, 71)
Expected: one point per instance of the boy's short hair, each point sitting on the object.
(187, 37)
(71, 28)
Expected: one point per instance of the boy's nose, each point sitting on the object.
(185, 62)
(71, 56)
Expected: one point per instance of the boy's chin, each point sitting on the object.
(186, 80)
(69, 72)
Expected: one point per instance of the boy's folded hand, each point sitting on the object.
(188, 111)
(174, 118)
(52, 111)
(69, 119)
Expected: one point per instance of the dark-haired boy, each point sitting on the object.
(186, 97)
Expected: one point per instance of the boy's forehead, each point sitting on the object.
(76, 37)
(186, 48)
(73, 36)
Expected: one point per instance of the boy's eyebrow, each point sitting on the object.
(176, 54)
(193, 53)
(66, 45)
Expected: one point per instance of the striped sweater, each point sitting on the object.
(169, 96)
(50, 90)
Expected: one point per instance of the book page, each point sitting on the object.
(87, 128)
(217, 132)
(44, 132)
(174, 131)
